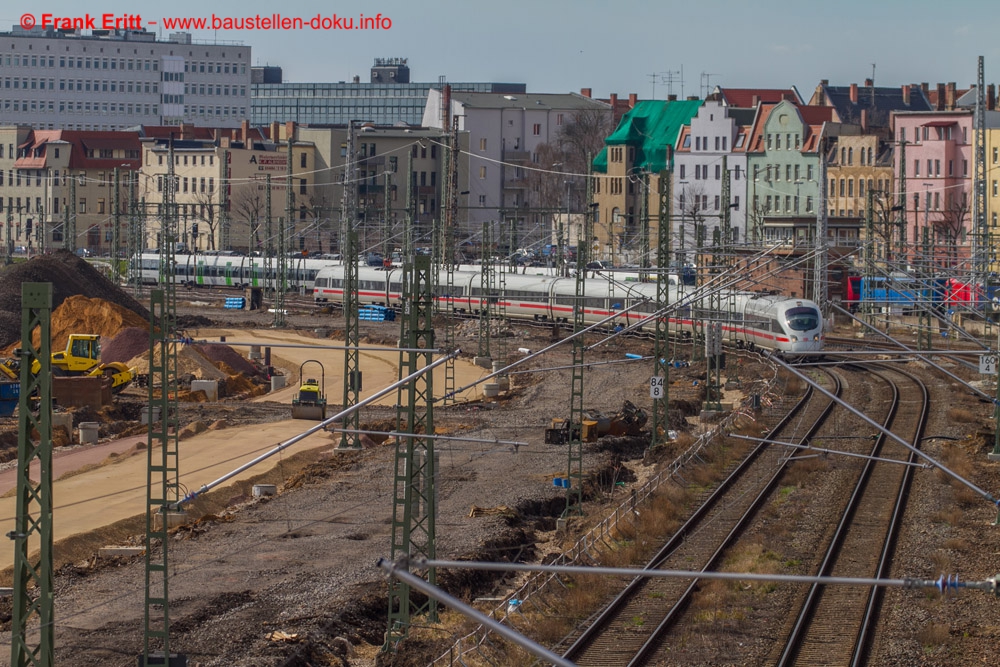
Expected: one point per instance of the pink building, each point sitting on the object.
(938, 170)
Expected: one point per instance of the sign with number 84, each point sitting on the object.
(657, 389)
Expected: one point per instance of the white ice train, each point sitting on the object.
(751, 320)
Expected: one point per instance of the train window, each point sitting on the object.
(395, 287)
(320, 282)
(337, 282)
(802, 319)
(776, 327)
(565, 300)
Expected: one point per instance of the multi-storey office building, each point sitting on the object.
(389, 98)
(116, 79)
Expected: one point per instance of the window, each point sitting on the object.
(916, 167)
(482, 144)
(809, 172)
(482, 172)
(302, 160)
(100, 206)
(536, 129)
(850, 187)
(842, 184)
(937, 167)
(788, 172)
(718, 171)
(716, 202)
(82, 208)
(682, 172)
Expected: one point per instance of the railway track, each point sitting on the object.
(834, 625)
(642, 621)
(628, 630)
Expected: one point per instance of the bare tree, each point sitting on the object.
(248, 205)
(885, 227)
(207, 213)
(949, 230)
(583, 138)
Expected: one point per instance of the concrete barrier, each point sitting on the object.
(89, 432)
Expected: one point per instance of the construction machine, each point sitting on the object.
(310, 402)
(627, 421)
(82, 357)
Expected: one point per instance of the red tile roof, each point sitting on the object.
(744, 97)
(81, 141)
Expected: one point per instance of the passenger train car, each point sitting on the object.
(749, 319)
(224, 270)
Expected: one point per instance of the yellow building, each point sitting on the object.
(856, 165)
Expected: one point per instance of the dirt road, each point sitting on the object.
(379, 368)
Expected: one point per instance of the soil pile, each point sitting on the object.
(130, 342)
(70, 276)
(80, 314)
(236, 362)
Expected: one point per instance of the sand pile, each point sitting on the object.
(237, 364)
(70, 276)
(189, 362)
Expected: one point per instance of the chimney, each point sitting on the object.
(991, 97)
(854, 93)
(940, 97)
(869, 83)
(290, 130)
(864, 120)
(756, 101)
(357, 79)
(224, 142)
(824, 82)
(906, 94)
(446, 107)
(633, 98)
(245, 131)
(586, 92)
(671, 98)
(613, 101)
(949, 96)
(274, 131)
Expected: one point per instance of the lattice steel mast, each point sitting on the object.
(349, 437)
(33, 585)
(660, 382)
(574, 473)
(414, 496)
(162, 472)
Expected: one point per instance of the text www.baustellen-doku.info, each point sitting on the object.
(275, 21)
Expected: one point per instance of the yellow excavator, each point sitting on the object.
(82, 356)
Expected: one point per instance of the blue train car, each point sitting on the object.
(903, 293)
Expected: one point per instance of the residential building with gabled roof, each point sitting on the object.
(627, 172)
(36, 170)
(715, 134)
(869, 106)
(783, 158)
(505, 133)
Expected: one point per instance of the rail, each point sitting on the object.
(584, 551)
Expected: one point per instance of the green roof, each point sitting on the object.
(650, 126)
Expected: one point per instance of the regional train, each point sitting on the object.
(231, 270)
(749, 319)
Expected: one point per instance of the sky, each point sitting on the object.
(648, 47)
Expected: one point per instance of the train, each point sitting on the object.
(232, 270)
(902, 293)
(750, 320)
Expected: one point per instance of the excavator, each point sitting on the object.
(82, 356)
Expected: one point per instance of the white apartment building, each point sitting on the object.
(117, 79)
(505, 130)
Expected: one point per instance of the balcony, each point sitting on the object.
(516, 156)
